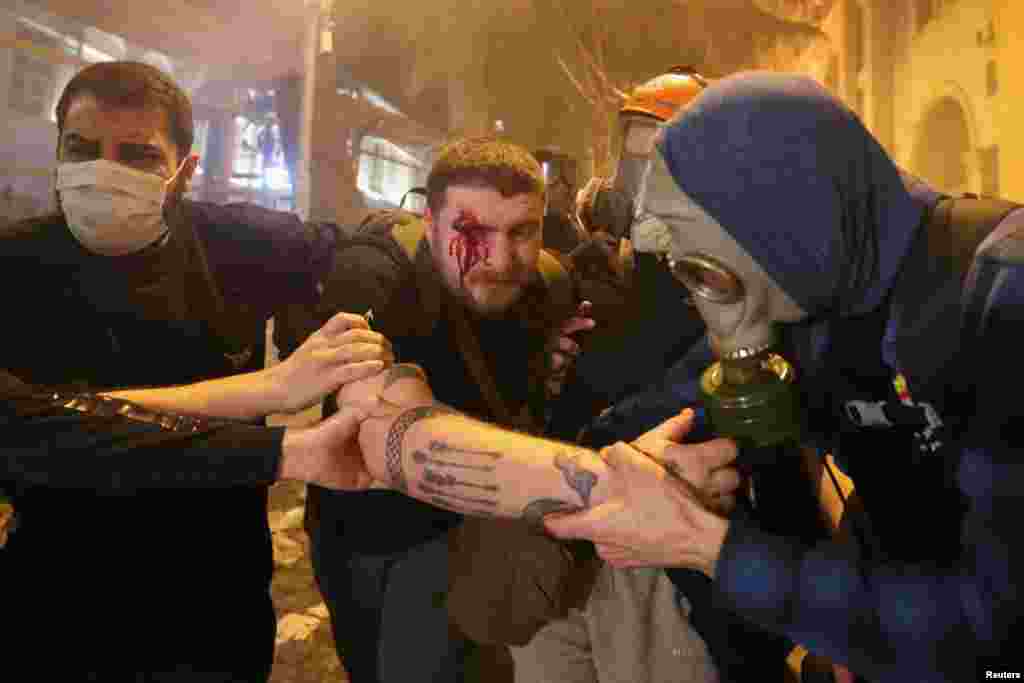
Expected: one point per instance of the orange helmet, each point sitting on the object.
(608, 206)
(662, 96)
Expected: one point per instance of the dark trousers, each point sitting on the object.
(388, 612)
(135, 647)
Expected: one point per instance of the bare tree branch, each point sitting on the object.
(579, 87)
(592, 82)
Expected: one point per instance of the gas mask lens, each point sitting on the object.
(707, 278)
(638, 139)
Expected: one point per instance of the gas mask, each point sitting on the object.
(738, 300)
(749, 393)
(638, 135)
(609, 207)
(112, 209)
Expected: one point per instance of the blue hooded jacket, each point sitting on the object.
(797, 180)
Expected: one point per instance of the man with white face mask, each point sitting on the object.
(113, 209)
(143, 509)
(798, 235)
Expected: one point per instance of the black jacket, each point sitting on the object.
(410, 308)
(129, 530)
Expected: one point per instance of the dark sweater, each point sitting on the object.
(129, 531)
(378, 278)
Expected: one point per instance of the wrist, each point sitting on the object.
(711, 543)
(604, 489)
(271, 386)
(297, 448)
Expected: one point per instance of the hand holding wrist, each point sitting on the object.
(344, 350)
(298, 449)
(327, 454)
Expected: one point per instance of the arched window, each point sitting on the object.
(943, 147)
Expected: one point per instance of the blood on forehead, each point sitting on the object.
(469, 245)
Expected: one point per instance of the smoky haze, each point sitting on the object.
(332, 108)
(395, 78)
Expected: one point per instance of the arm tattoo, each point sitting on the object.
(403, 371)
(580, 480)
(461, 509)
(421, 458)
(434, 477)
(431, 491)
(393, 445)
(442, 447)
(535, 511)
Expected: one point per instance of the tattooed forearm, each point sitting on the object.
(393, 445)
(580, 480)
(442, 447)
(403, 371)
(433, 477)
(461, 509)
(534, 512)
(421, 458)
(431, 491)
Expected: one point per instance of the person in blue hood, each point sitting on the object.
(796, 232)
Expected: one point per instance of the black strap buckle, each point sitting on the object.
(107, 406)
(922, 418)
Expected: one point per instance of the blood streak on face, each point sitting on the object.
(469, 246)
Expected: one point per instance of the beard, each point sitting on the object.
(483, 291)
(487, 294)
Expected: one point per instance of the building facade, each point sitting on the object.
(934, 81)
(248, 132)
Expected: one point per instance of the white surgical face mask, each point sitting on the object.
(112, 209)
(739, 301)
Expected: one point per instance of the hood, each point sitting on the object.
(792, 174)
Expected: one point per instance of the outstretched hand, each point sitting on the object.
(328, 454)
(564, 349)
(343, 350)
(709, 466)
(662, 513)
(346, 450)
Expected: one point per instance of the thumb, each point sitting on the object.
(343, 322)
(628, 462)
(570, 525)
(712, 454)
(348, 418)
(673, 429)
(576, 324)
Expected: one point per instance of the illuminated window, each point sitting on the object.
(201, 136)
(92, 55)
(34, 76)
(386, 171)
(257, 163)
(245, 163)
(376, 170)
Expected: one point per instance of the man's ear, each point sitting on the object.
(188, 170)
(179, 185)
(428, 224)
